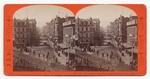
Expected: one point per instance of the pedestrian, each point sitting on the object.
(97, 52)
(55, 59)
(33, 52)
(120, 59)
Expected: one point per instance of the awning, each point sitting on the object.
(62, 45)
(126, 45)
(70, 51)
(133, 50)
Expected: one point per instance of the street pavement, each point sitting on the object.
(51, 65)
(56, 67)
(112, 64)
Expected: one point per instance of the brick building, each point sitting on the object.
(118, 29)
(84, 32)
(24, 32)
(87, 31)
(55, 29)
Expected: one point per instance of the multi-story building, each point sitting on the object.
(118, 29)
(69, 31)
(87, 31)
(33, 32)
(132, 31)
(83, 31)
(24, 32)
(126, 29)
(97, 32)
(56, 29)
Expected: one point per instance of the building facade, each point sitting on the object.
(132, 31)
(87, 30)
(126, 29)
(69, 31)
(24, 32)
(118, 29)
(76, 31)
(55, 29)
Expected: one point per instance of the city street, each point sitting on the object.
(106, 63)
(33, 59)
(106, 58)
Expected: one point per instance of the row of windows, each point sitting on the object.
(85, 29)
(24, 23)
(85, 35)
(21, 29)
(85, 22)
(20, 23)
(85, 41)
(22, 41)
(22, 35)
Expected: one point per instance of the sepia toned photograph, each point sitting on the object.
(96, 38)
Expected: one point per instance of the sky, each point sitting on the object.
(105, 13)
(44, 13)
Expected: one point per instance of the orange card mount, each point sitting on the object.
(74, 39)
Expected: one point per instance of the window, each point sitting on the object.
(25, 35)
(18, 29)
(88, 22)
(18, 23)
(88, 35)
(84, 28)
(84, 22)
(80, 29)
(23, 29)
(25, 41)
(81, 22)
(80, 34)
(91, 34)
(18, 35)
(84, 34)
(22, 35)
(88, 28)
(94, 29)
(83, 40)
(91, 29)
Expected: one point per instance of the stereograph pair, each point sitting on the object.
(74, 39)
